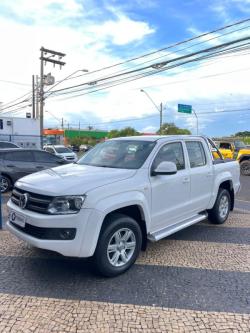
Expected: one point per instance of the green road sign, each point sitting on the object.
(184, 108)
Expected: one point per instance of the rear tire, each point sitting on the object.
(245, 168)
(5, 184)
(118, 246)
(220, 211)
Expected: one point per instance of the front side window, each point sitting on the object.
(171, 152)
(123, 154)
(44, 157)
(196, 154)
(225, 145)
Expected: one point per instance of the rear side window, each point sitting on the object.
(196, 154)
(171, 152)
(44, 157)
(20, 156)
(7, 145)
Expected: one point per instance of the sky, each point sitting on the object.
(99, 33)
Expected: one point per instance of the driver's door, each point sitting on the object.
(170, 193)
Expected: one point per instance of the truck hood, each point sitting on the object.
(71, 179)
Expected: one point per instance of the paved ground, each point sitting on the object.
(197, 280)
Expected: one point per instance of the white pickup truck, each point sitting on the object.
(121, 194)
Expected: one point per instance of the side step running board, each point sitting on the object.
(155, 236)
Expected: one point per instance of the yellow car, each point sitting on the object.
(236, 150)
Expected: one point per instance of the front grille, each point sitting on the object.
(70, 158)
(36, 202)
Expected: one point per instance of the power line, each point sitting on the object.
(162, 64)
(138, 76)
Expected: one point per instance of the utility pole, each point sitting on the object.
(33, 98)
(44, 59)
(37, 98)
(62, 124)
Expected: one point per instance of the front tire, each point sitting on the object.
(118, 246)
(245, 168)
(5, 184)
(220, 211)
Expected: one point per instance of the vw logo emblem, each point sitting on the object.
(23, 200)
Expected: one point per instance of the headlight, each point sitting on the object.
(66, 205)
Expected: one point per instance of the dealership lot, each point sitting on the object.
(195, 280)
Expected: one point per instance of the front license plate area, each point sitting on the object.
(17, 218)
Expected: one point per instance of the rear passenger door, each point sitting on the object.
(19, 163)
(201, 173)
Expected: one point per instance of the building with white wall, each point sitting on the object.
(23, 131)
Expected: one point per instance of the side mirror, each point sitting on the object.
(165, 168)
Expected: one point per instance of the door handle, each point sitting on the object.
(209, 174)
(39, 167)
(10, 166)
(185, 180)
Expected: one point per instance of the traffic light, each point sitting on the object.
(1, 123)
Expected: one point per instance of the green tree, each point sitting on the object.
(172, 129)
(245, 133)
(127, 131)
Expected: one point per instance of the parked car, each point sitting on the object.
(122, 194)
(8, 145)
(75, 148)
(17, 163)
(62, 151)
(237, 150)
(85, 148)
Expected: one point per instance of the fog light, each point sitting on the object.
(67, 234)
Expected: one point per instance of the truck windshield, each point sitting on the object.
(122, 154)
(239, 144)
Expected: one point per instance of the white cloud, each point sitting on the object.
(122, 31)
(87, 46)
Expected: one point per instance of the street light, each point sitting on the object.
(66, 78)
(158, 108)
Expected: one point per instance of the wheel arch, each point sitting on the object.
(245, 157)
(228, 185)
(134, 211)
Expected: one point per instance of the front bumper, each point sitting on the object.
(84, 242)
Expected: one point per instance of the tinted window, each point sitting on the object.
(171, 152)
(7, 145)
(50, 150)
(21, 156)
(196, 154)
(45, 157)
(225, 145)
